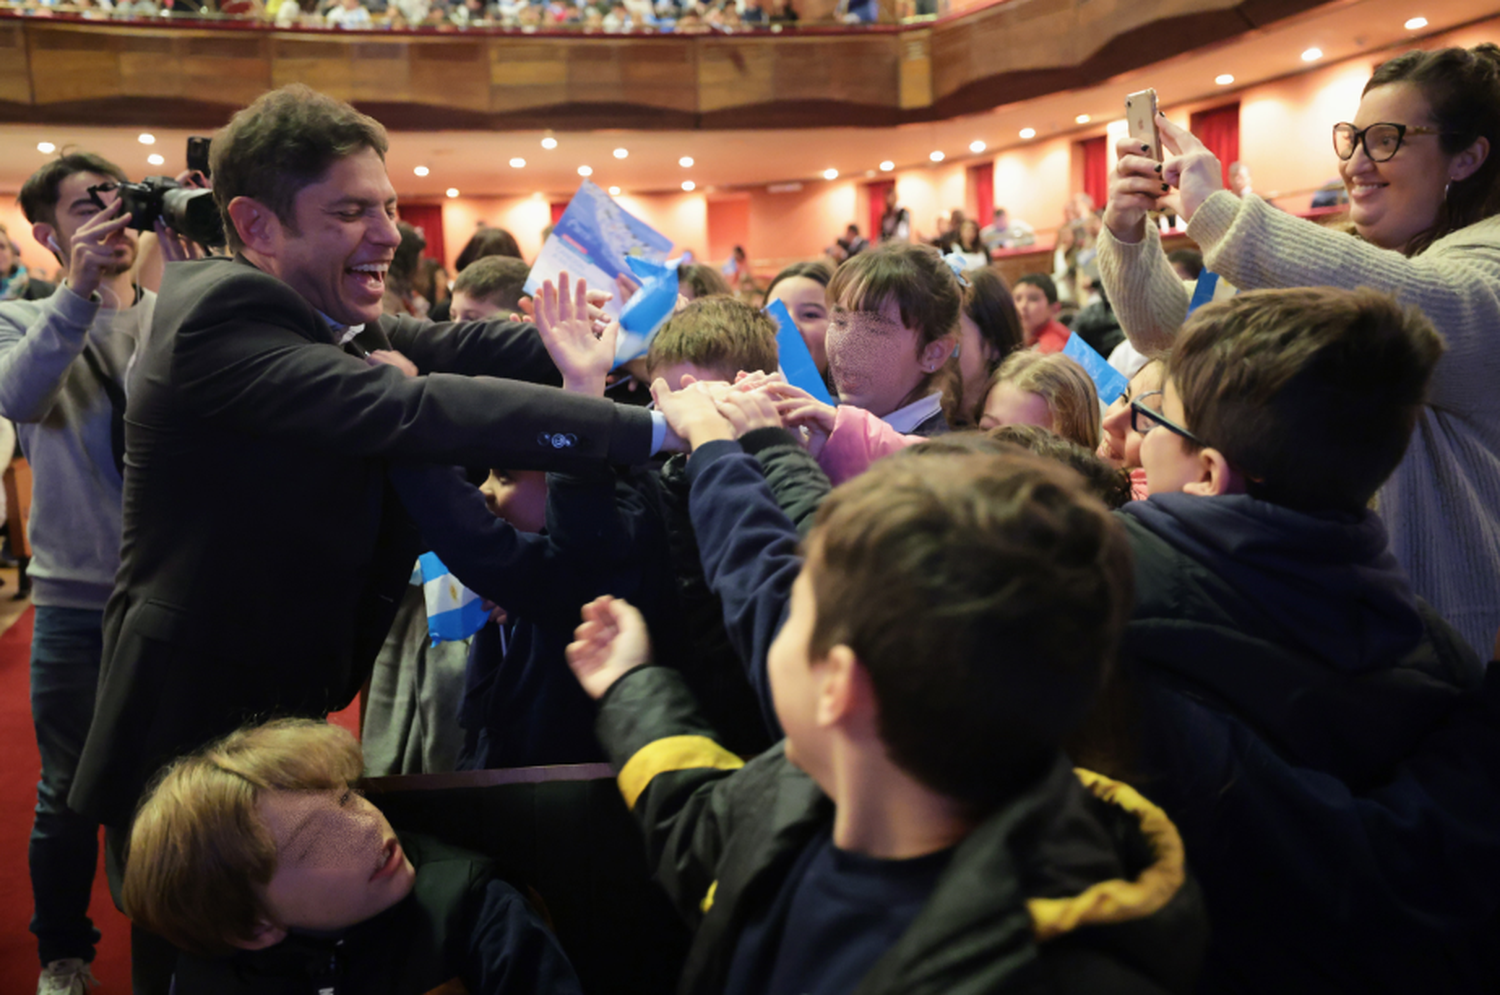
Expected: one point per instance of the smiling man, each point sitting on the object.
(263, 555)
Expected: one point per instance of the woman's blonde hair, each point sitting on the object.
(1063, 384)
(199, 852)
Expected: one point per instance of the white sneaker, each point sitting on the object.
(66, 977)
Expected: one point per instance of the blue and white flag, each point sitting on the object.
(453, 611)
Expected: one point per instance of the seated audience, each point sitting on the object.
(967, 247)
(1003, 232)
(1293, 691)
(259, 859)
(1052, 392)
(348, 14)
(489, 286)
(1036, 301)
(863, 852)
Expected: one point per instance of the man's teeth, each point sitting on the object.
(377, 269)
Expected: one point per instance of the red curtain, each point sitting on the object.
(877, 191)
(982, 182)
(1219, 130)
(428, 219)
(557, 210)
(1095, 155)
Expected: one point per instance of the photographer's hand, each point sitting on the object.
(93, 250)
(175, 248)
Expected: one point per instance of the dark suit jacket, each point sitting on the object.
(263, 553)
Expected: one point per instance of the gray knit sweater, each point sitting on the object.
(1442, 505)
(63, 419)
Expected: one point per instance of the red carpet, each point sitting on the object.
(18, 776)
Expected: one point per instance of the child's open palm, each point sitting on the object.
(611, 642)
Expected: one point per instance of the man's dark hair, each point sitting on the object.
(39, 194)
(497, 279)
(926, 564)
(1042, 282)
(487, 242)
(716, 333)
(282, 143)
(1311, 393)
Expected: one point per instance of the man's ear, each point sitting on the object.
(46, 236)
(934, 354)
(1217, 478)
(258, 227)
(267, 934)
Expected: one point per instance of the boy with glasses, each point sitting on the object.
(1291, 686)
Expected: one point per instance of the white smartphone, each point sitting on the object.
(1140, 116)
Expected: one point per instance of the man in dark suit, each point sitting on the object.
(263, 553)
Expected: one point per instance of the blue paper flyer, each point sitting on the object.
(791, 351)
(593, 239)
(1110, 382)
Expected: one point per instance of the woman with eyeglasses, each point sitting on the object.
(1422, 168)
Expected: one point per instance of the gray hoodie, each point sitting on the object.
(63, 417)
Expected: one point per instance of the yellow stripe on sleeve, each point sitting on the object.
(663, 756)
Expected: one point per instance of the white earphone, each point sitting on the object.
(52, 244)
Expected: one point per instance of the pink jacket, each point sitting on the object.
(857, 440)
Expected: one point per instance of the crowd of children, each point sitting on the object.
(975, 681)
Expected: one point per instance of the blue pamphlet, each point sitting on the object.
(594, 239)
(1203, 291)
(648, 309)
(1110, 382)
(796, 362)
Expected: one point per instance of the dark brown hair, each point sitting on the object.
(285, 141)
(914, 276)
(1462, 86)
(716, 333)
(818, 271)
(985, 596)
(1311, 393)
(39, 193)
(497, 279)
(484, 243)
(698, 280)
(1105, 482)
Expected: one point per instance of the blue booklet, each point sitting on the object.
(1110, 382)
(796, 361)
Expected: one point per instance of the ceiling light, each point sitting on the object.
(621, 153)
(685, 162)
(46, 147)
(1082, 119)
(614, 191)
(1028, 132)
(689, 185)
(420, 170)
(155, 159)
(585, 171)
(936, 157)
(518, 163)
(830, 174)
(1223, 79)
(146, 139)
(1415, 24)
(549, 142)
(887, 166)
(452, 191)
(976, 146)
(1312, 55)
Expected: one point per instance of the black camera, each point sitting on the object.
(188, 211)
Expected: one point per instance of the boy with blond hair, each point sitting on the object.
(261, 861)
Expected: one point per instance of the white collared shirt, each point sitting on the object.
(905, 419)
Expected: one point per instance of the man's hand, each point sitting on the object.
(611, 642)
(749, 410)
(583, 357)
(390, 357)
(92, 251)
(691, 413)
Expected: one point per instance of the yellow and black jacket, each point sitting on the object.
(1077, 885)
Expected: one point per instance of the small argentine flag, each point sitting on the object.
(453, 611)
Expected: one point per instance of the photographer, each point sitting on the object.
(63, 363)
(264, 554)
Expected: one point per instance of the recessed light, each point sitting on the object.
(689, 185)
(549, 142)
(830, 174)
(1312, 55)
(46, 147)
(621, 153)
(155, 159)
(420, 170)
(685, 162)
(1028, 132)
(1223, 79)
(146, 139)
(1415, 24)
(614, 191)
(518, 163)
(1082, 119)
(977, 146)
(887, 166)
(585, 171)
(936, 157)
(452, 191)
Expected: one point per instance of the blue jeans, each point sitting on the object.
(66, 648)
